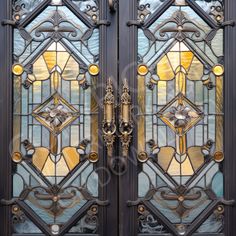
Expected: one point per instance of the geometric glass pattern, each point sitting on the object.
(180, 118)
(180, 114)
(55, 118)
(55, 113)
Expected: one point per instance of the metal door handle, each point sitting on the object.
(109, 124)
(126, 125)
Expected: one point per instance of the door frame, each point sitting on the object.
(127, 69)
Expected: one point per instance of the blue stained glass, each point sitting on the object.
(218, 184)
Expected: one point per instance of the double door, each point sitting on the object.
(117, 118)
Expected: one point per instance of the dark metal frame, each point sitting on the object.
(127, 54)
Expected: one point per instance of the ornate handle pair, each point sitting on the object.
(125, 120)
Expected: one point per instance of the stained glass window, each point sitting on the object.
(55, 144)
(180, 120)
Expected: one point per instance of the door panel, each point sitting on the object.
(55, 121)
(180, 71)
(59, 172)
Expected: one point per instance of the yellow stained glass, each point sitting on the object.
(40, 69)
(196, 70)
(61, 167)
(165, 155)
(174, 58)
(164, 69)
(50, 58)
(196, 157)
(71, 70)
(186, 59)
(49, 168)
(72, 157)
(177, 169)
(40, 156)
(62, 58)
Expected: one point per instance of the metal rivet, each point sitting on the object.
(143, 157)
(94, 209)
(55, 229)
(220, 209)
(94, 69)
(93, 157)
(219, 156)
(181, 198)
(15, 209)
(17, 157)
(17, 69)
(141, 209)
(142, 70)
(218, 70)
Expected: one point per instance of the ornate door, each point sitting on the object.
(117, 117)
(178, 66)
(57, 180)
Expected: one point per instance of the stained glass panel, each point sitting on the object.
(55, 121)
(180, 120)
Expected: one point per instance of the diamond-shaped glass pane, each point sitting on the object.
(55, 113)
(180, 114)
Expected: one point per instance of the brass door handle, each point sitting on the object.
(125, 123)
(109, 124)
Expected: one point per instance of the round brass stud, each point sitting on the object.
(15, 209)
(142, 157)
(93, 157)
(219, 156)
(181, 229)
(55, 199)
(220, 209)
(94, 209)
(17, 157)
(218, 17)
(218, 70)
(142, 70)
(17, 69)
(17, 17)
(181, 198)
(141, 209)
(94, 69)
